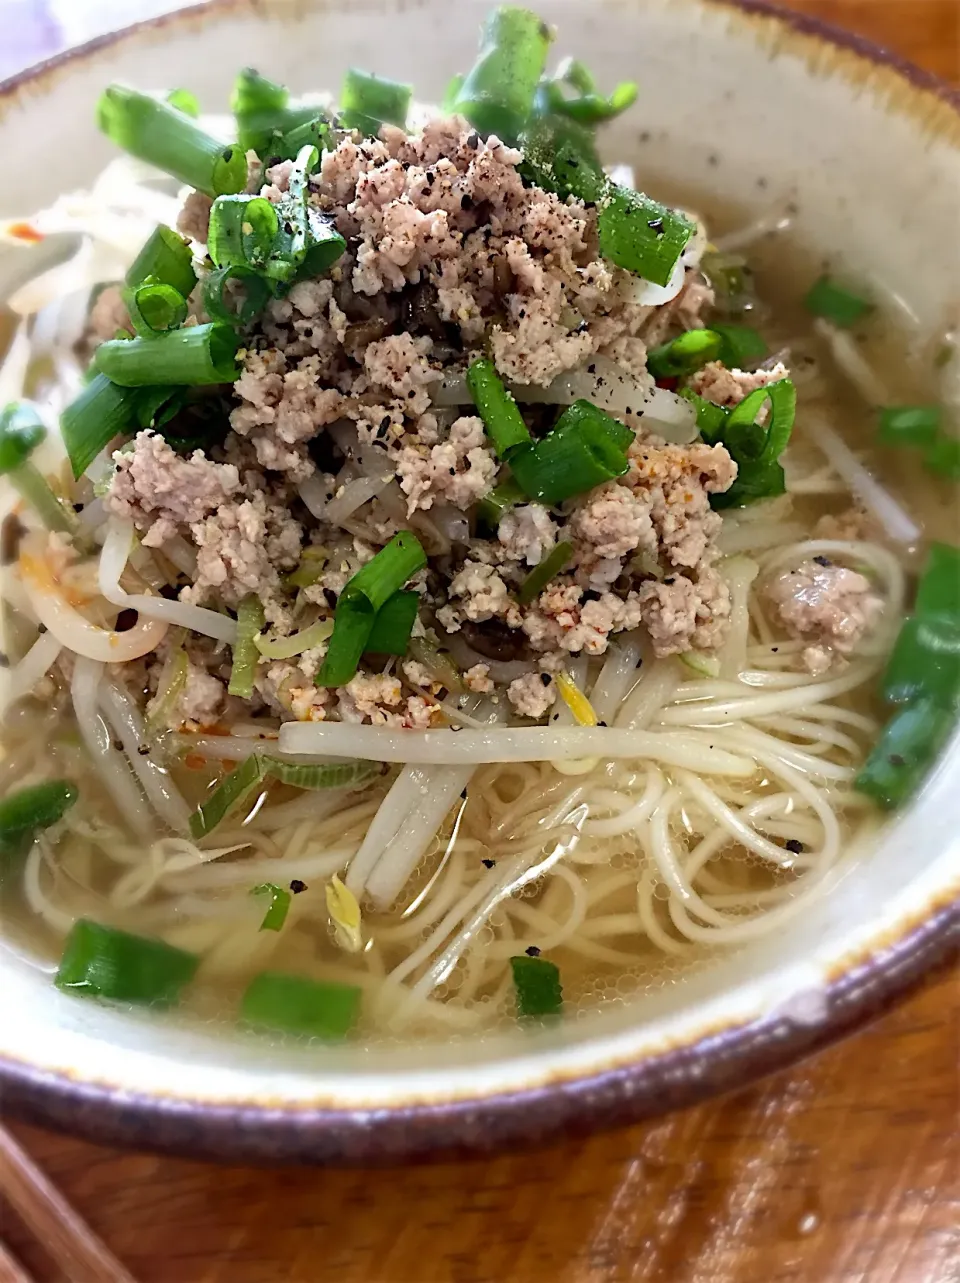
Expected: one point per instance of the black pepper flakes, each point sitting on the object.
(823, 561)
(670, 579)
(794, 846)
(656, 225)
(296, 886)
(532, 951)
(488, 864)
(143, 750)
(463, 793)
(330, 597)
(118, 745)
(473, 141)
(466, 202)
(896, 760)
(546, 679)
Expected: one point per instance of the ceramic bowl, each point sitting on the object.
(760, 109)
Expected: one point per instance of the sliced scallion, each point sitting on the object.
(278, 908)
(585, 105)
(184, 101)
(586, 448)
(235, 294)
(711, 418)
(909, 425)
(27, 810)
(742, 345)
(496, 95)
(393, 624)
(546, 569)
(506, 494)
(498, 409)
(368, 101)
(538, 988)
(159, 134)
(925, 663)
(640, 234)
(757, 449)
(361, 599)
(938, 593)
(943, 457)
(166, 257)
(21, 431)
(264, 114)
(99, 412)
(903, 755)
(102, 962)
(242, 231)
(155, 308)
(191, 357)
(835, 303)
(684, 354)
(294, 643)
(290, 1004)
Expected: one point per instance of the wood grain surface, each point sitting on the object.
(843, 1170)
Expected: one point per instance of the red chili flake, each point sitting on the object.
(670, 384)
(24, 232)
(195, 762)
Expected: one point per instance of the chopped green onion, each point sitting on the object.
(726, 274)
(586, 106)
(906, 750)
(498, 409)
(835, 303)
(393, 625)
(925, 663)
(315, 132)
(264, 114)
(35, 807)
(238, 306)
(586, 448)
(701, 664)
(368, 101)
(155, 308)
(938, 593)
(452, 93)
(742, 345)
(242, 231)
(538, 988)
(497, 93)
(711, 418)
(279, 907)
(99, 412)
(362, 597)
(184, 101)
(495, 503)
(640, 234)
(296, 643)
(293, 1004)
(102, 962)
(21, 431)
(325, 245)
(167, 258)
(245, 653)
(546, 569)
(295, 235)
(561, 156)
(756, 449)
(192, 357)
(237, 786)
(909, 425)
(159, 134)
(943, 457)
(353, 625)
(684, 354)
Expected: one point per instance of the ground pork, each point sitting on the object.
(459, 470)
(533, 694)
(160, 491)
(562, 620)
(289, 691)
(479, 594)
(729, 387)
(613, 521)
(399, 364)
(108, 314)
(243, 548)
(283, 409)
(527, 533)
(478, 679)
(378, 699)
(682, 613)
(853, 524)
(676, 482)
(829, 606)
(193, 221)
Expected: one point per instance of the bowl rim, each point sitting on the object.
(712, 1063)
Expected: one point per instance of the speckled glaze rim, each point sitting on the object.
(714, 1063)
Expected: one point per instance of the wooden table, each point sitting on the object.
(844, 1170)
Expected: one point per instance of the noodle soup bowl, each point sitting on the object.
(770, 114)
